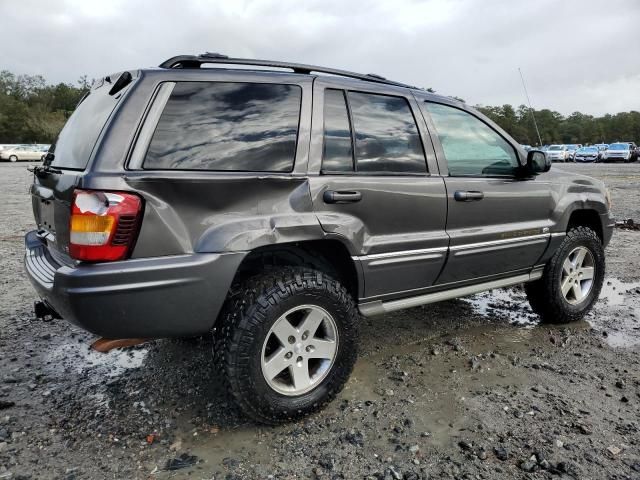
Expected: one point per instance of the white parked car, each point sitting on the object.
(22, 152)
(558, 153)
(618, 151)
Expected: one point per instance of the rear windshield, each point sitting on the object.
(75, 143)
(227, 127)
(555, 147)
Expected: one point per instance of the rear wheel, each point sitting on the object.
(287, 343)
(572, 279)
(13, 158)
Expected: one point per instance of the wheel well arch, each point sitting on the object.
(586, 218)
(327, 255)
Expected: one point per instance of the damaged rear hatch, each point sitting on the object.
(68, 159)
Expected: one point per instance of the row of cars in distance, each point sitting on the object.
(600, 152)
(17, 153)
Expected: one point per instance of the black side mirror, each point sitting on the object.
(537, 162)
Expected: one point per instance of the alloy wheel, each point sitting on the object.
(578, 271)
(299, 350)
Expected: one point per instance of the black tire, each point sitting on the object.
(545, 295)
(250, 311)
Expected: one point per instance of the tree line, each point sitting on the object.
(556, 128)
(32, 111)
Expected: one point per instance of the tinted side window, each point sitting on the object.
(337, 150)
(387, 139)
(227, 126)
(470, 146)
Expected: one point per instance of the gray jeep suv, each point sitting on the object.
(274, 207)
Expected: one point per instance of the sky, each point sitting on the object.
(575, 55)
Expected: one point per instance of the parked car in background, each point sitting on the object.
(617, 152)
(22, 152)
(527, 147)
(601, 148)
(587, 154)
(558, 153)
(634, 151)
(572, 148)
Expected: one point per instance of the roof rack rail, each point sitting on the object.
(195, 61)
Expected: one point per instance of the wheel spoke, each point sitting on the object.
(283, 330)
(311, 322)
(579, 258)
(566, 286)
(577, 291)
(323, 349)
(587, 273)
(300, 375)
(567, 266)
(276, 364)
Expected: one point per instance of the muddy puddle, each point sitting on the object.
(617, 313)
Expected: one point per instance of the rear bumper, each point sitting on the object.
(156, 297)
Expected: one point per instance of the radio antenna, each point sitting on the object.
(530, 107)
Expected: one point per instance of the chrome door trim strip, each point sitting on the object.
(466, 246)
(559, 234)
(400, 253)
(409, 258)
(497, 247)
(379, 307)
(505, 241)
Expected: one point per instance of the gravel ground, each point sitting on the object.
(466, 389)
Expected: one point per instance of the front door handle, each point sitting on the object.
(331, 196)
(468, 196)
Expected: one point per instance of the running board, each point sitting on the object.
(378, 307)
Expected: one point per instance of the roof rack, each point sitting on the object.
(195, 61)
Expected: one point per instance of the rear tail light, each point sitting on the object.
(103, 225)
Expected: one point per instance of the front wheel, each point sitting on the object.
(572, 279)
(287, 343)
(13, 158)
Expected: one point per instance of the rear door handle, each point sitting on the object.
(331, 196)
(468, 196)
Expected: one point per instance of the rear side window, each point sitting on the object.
(387, 139)
(470, 146)
(227, 127)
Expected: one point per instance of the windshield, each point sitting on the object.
(75, 143)
(555, 147)
(588, 149)
(619, 146)
(572, 147)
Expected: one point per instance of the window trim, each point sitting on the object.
(436, 137)
(355, 171)
(351, 131)
(151, 119)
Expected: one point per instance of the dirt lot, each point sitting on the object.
(465, 389)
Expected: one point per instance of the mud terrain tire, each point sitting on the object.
(545, 295)
(251, 312)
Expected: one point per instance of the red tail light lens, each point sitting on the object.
(103, 225)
